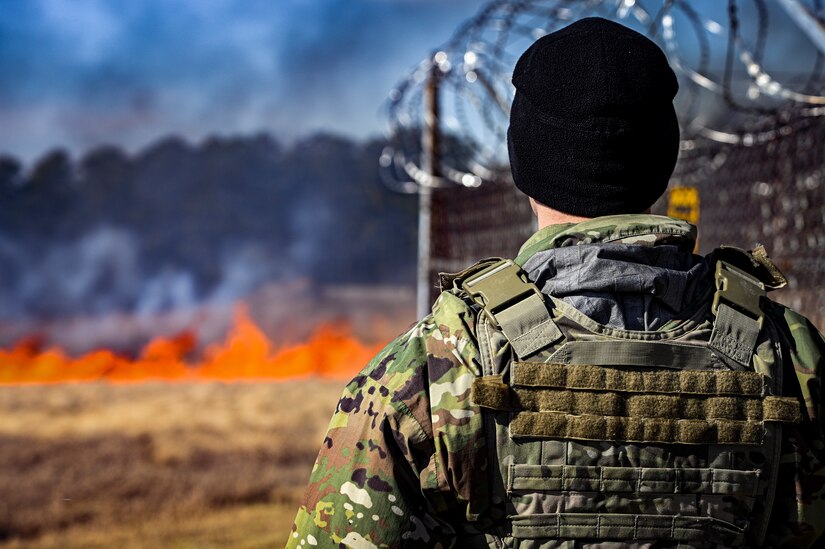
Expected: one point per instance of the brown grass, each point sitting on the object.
(178, 465)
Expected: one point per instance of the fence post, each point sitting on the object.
(431, 144)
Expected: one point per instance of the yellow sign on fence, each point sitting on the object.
(683, 203)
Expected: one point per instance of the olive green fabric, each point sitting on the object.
(781, 409)
(492, 393)
(648, 354)
(647, 229)
(775, 279)
(631, 429)
(632, 480)
(734, 334)
(513, 303)
(528, 326)
(699, 382)
(598, 403)
(626, 527)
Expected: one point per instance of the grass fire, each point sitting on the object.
(166, 447)
(246, 354)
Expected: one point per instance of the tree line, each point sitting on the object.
(178, 222)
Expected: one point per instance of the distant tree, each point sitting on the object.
(230, 212)
(52, 173)
(9, 174)
(105, 185)
(46, 196)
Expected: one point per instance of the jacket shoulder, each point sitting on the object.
(441, 336)
(798, 518)
(806, 350)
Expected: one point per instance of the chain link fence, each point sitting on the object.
(469, 224)
(771, 193)
(751, 108)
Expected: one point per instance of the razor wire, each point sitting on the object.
(736, 85)
(751, 108)
(771, 193)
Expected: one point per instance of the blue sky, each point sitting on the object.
(79, 73)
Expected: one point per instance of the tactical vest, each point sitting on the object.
(600, 437)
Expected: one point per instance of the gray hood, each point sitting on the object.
(630, 287)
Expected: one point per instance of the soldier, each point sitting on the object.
(607, 387)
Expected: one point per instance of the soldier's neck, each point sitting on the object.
(547, 216)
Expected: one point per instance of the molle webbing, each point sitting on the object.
(598, 378)
(632, 480)
(656, 406)
(629, 429)
(626, 527)
(491, 392)
(596, 403)
(646, 354)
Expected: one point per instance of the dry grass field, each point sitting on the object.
(157, 465)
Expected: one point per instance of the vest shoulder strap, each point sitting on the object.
(452, 281)
(738, 313)
(755, 263)
(513, 304)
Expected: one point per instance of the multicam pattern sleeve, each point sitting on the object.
(798, 517)
(400, 462)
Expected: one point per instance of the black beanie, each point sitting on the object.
(592, 129)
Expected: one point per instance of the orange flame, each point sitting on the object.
(246, 354)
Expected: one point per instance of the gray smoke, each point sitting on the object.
(186, 228)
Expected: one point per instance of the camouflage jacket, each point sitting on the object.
(403, 463)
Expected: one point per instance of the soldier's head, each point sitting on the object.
(592, 129)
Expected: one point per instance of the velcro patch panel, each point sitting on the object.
(630, 429)
(584, 377)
